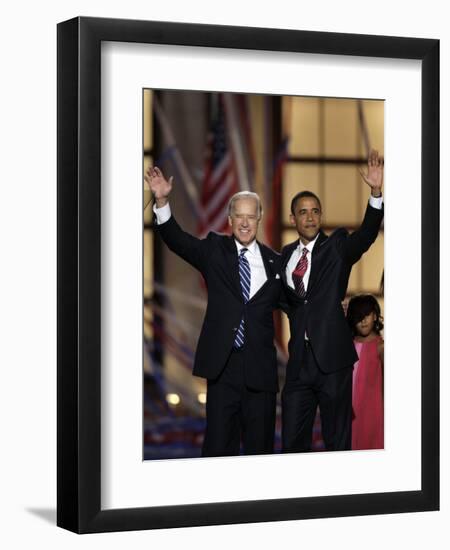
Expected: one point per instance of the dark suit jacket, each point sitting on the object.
(216, 257)
(320, 313)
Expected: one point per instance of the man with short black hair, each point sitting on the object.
(315, 270)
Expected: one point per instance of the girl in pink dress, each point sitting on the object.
(365, 320)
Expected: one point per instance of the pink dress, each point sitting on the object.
(367, 400)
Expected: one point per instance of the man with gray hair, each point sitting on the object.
(245, 195)
(235, 351)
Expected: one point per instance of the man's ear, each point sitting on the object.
(292, 219)
(229, 221)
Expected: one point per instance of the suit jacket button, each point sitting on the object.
(305, 302)
(234, 329)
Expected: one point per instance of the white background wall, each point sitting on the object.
(28, 271)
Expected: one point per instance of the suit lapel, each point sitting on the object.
(287, 253)
(268, 266)
(316, 259)
(267, 260)
(232, 265)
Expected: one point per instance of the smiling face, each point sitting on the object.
(306, 218)
(366, 325)
(244, 220)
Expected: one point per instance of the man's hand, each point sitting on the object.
(159, 186)
(374, 175)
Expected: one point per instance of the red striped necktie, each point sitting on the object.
(299, 273)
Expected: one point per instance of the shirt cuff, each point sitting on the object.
(162, 214)
(376, 202)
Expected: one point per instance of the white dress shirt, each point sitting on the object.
(257, 269)
(163, 214)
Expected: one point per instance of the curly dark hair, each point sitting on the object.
(361, 305)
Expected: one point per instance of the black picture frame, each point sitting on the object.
(79, 275)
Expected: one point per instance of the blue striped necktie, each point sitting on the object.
(245, 277)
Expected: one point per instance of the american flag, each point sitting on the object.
(220, 180)
(277, 178)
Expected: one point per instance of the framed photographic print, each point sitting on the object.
(291, 109)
